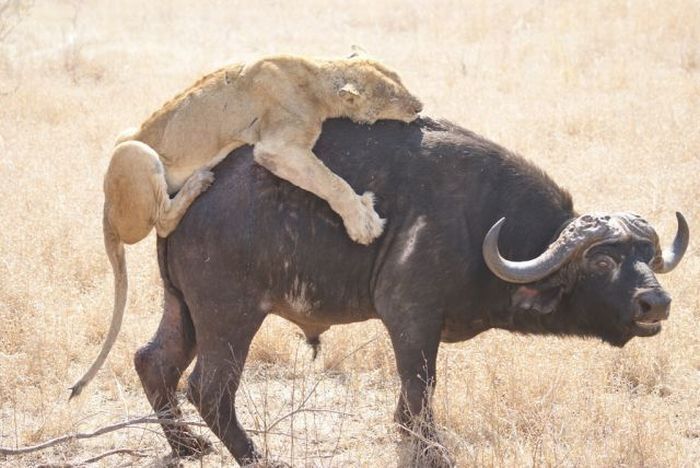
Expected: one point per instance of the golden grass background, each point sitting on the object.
(604, 95)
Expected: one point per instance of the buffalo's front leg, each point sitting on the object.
(160, 364)
(414, 330)
(415, 344)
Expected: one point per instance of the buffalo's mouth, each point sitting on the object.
(621, 335)
(641, 325)
(646, 327)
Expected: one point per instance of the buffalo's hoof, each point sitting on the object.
(434, 456)
(192, 447)
(422, 445)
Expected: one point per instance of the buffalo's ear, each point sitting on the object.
(542, 300)
(349, 93)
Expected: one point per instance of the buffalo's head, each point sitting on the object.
(597, 278)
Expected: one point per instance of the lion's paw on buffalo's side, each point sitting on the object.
(363, 223)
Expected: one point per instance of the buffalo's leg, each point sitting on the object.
(415, 336)
(415, 339)
(221, 355)
(160, 364)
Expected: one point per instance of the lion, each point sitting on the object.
(277, 104)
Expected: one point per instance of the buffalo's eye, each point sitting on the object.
(603, 263)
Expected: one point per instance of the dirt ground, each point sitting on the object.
(604, 95)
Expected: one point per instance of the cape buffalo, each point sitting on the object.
(255, 245)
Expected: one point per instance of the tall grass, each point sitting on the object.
(604, 95)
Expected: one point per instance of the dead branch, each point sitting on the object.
(103, 430)
(133, 453)
(132, 423)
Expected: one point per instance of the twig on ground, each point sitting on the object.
(133, 453)
(128, 424)
(300, 407)
(87, 435)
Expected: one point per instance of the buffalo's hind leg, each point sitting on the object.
(221, 354)
(160, 364)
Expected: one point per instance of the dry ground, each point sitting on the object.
(605, 95)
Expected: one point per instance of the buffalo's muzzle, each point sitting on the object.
(651, 306)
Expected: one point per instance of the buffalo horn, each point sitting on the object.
(526, 271)
(672, 256)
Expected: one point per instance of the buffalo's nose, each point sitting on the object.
(652, 304)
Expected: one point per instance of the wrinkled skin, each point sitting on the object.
(255, 245)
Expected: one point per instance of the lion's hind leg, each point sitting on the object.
(172, 210)
(302, 168)
(132, 188)
(136, 193)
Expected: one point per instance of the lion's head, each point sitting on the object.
(374, 92)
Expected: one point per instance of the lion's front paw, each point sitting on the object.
(363, 223)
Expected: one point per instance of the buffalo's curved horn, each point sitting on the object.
(673, 255)
(526, 271)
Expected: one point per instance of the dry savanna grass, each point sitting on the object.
(604, 95)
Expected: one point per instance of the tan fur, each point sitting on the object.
(277, 104)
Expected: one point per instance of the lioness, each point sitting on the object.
(277, 104)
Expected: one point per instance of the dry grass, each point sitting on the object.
(605, 95)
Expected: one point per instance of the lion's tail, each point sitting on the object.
(115, 251)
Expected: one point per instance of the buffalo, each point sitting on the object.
(477, 238)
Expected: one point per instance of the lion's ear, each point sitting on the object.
(349, 93)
